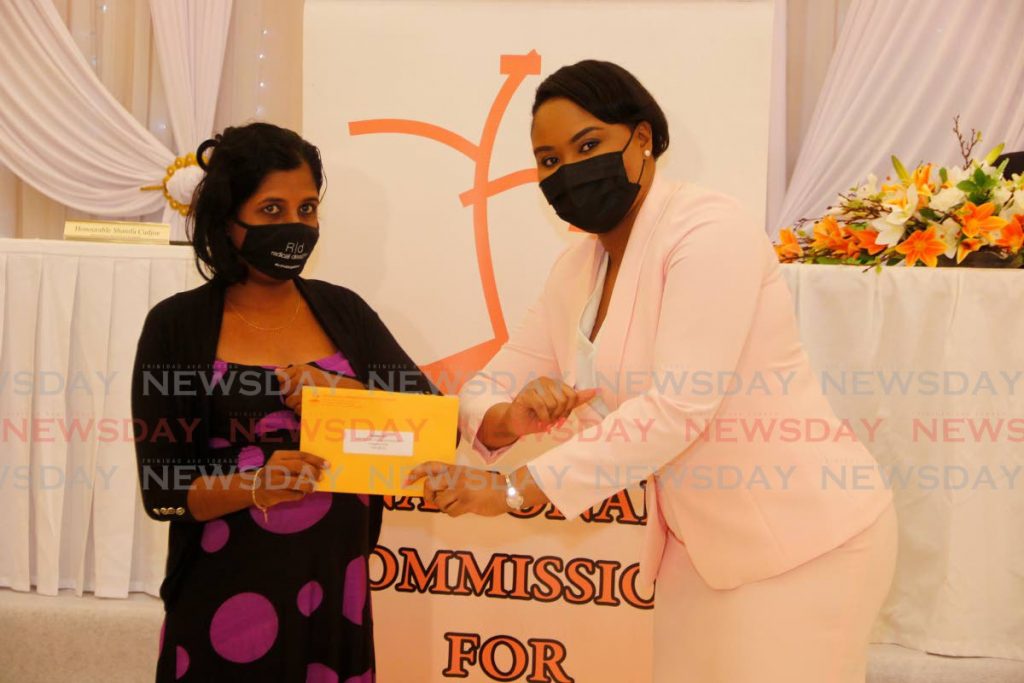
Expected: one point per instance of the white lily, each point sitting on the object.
(957, 174)
(948, 230)
(868, 189)
(891, 226)
(1013, 206)
(1000, 195)
(944, 200)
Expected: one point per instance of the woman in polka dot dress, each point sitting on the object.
(266, 579)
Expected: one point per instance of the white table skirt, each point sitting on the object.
(918, 344)
(71, 314)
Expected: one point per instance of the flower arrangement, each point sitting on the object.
(965, 215)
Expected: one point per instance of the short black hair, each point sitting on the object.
(609, 93)
(240, 158)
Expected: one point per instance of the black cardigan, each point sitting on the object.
(170, 406)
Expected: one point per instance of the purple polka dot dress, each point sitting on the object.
(286, 599)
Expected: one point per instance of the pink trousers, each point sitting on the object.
(808, 625)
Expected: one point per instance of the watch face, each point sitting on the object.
(514, 499)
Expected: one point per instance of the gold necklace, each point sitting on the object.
(298, 304)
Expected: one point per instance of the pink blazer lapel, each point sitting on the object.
(617, 322)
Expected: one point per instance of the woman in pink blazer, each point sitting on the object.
(672, 329)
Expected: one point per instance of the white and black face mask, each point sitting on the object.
(279, 250)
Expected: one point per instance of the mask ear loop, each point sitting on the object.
(643, 164)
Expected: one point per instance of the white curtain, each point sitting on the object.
(262, 79)
(191, 36)
(190, 39)
(66, 134)
(60, 129)
(900, 73)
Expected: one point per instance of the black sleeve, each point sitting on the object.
(166, 423)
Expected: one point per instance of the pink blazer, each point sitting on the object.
(712, 399)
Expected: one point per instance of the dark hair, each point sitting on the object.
(609, 93)
(239, 160)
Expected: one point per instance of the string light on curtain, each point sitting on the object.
(93, 41)
(97, 34)
(261, 58)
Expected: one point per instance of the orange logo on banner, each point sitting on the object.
(449, 373)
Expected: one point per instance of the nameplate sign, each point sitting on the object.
(118, 231)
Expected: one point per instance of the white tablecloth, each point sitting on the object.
(71, 313)
(943, 347)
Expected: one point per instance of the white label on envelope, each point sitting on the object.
(379, 442)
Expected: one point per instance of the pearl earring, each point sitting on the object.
(647, 153)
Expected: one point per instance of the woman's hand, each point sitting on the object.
(542, 404)
(288, 476)
(294, 377)
(460, 490)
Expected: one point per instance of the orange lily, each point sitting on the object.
(922, 178)
(866, 239)
(788, 247)
(978, 220)
(923, 245)
(824, 232)
(852, 246)
(828, 235)
(966, 247)
(1012, 237)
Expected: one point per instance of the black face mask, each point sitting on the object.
(279, 250)
(594, 194)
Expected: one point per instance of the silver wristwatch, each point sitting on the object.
(513, 497)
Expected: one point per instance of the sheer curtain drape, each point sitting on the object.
(264, 46)
(191, 36)
(64, 133)
(60, 129)
(900, 73)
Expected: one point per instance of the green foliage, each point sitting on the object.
(979, 186)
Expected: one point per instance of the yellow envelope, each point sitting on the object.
(374, 438)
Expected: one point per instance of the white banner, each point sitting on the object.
(422, 112)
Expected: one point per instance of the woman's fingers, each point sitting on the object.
(456, 509)
(551, 401)
(313, 459)
(557, 398)
(295, 474)
(551, 393)
(585, 396)
(444, 499)
(286, 378)
(349, 383)
(543, 405)
(428, 469)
